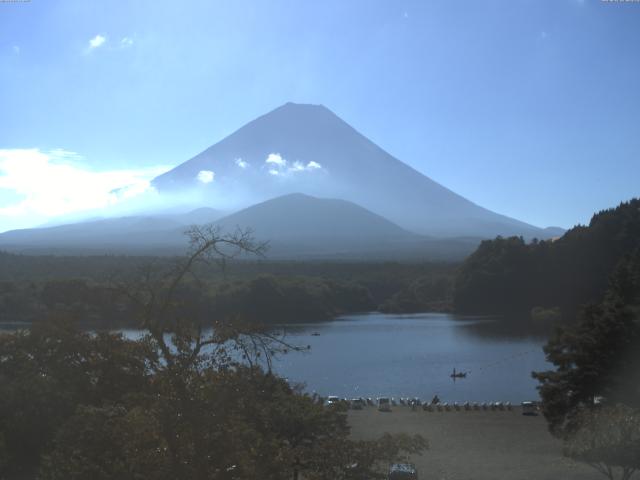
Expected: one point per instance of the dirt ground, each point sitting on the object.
(476, 445)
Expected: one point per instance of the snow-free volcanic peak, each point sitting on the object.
(308, 149)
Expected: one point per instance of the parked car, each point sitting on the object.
(357, 404)
(529, 408)
(384, 404)
(402, 471)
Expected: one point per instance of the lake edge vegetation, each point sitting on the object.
(178, 403)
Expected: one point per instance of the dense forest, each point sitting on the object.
(591, 397)
(265, 298)
(508, 275)
(598, 356)
(93, 289)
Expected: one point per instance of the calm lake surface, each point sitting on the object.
(413, 355)
(374, 354)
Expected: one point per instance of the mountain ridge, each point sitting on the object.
(295, 226)
(309, 149)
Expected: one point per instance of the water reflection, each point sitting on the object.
(507, 328)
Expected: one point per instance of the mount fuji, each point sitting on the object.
(304, 180)
(300, 148)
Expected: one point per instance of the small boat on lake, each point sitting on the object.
(455, 374)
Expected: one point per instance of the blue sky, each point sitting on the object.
(528, 107)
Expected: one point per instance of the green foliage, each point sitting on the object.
(494, 277)
(79, 288)
(546, 316)
(104, 443)
(427, 293)
(105, 415)
(592, 398)
(178, 403)
(18, 302)
(269, 299)
(599, 357)
(508, 275)
(47, 372)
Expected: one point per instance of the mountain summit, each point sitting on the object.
(301, 217)
(309, 149)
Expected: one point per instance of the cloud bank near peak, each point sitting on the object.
(37, 186)
(279, 166)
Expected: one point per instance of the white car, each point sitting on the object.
(529, 408)
(403, 471)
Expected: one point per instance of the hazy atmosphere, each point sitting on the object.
(529, 109)
(319, 240)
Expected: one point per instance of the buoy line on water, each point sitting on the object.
(504, 360)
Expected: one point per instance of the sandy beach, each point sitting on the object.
(476, 445)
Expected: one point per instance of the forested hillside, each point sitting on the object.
(509, 275)
(33, 288)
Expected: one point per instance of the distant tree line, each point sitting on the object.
(428, 293)
(275, 292)
(508, 275)
(265, 298)
(288, 300)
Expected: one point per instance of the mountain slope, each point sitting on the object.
(308, 149)
(302, 226)
(136, 232)
(297, 216)
(296, 226)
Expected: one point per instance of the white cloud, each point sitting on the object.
(60, 153)
(276, 159)
(97, 41)
(242, 164)
(205, 176)
(42, 185)
(16, 49)
(280, 166)
(297, 167)
(126, 42)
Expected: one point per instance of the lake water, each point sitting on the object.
(375, 354)
(413, 355)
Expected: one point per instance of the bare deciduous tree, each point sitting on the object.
(608, 440)
(181, 339)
